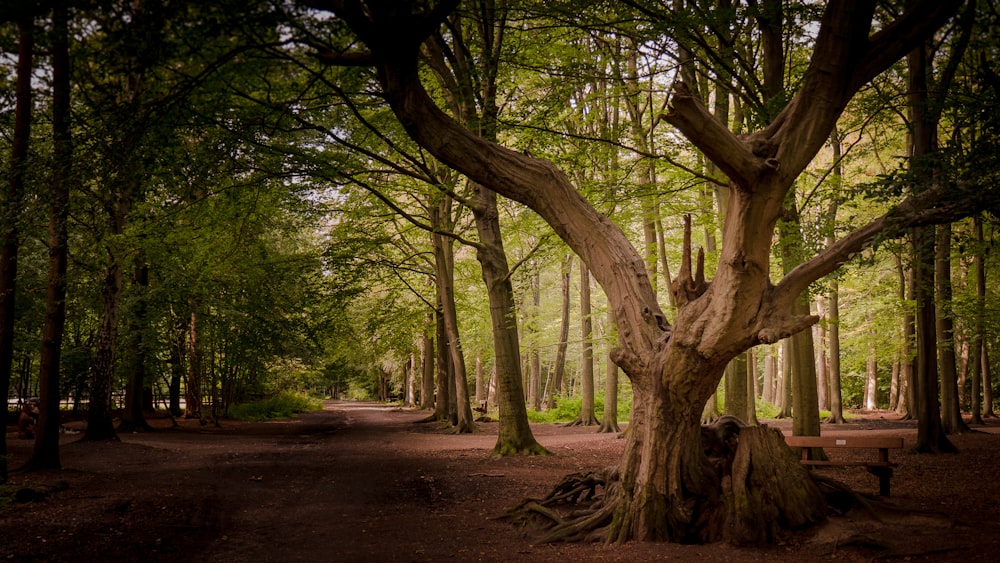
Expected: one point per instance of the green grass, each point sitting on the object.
(282, 405)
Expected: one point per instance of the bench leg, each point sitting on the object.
(883, 474)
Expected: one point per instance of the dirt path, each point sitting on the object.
(363, 482)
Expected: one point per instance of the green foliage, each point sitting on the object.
(766, 410)
(568, 408)
(281, 405)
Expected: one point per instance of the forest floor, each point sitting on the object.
(366, 482)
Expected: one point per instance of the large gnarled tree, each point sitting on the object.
(665, 489)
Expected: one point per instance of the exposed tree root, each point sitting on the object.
(588, 520)
(766, 493)
(580, 421)
(609, 427)
(506, 449)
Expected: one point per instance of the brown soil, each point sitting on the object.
(364, 482)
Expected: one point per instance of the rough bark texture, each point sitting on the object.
(768, 490)
(100, 421)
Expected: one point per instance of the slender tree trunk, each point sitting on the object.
(193, 384)
(871, 367)
(587, 416)
(833, 336)
(769, 377)
(785, 387)
(609, 419)
(133, 417)
(463, 420)
(987, 384)
(931, 437)
(11, 213)
(427, 364)
(951, 409)
(906, 405)
(822, 365)
(559, 373)
(178, 340)
(833, 298)
(46, 450)
(976, 345)
(753, 390)
(535, 362)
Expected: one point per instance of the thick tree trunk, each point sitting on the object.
(931, 437)
(443, 399)
(11, 213)
(45, 454)
(514, 434)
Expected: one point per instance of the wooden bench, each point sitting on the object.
(881, 467)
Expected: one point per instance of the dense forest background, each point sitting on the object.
(243, 216)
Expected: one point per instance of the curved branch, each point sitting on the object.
(720, 145)
(941, 204)
(537, 183)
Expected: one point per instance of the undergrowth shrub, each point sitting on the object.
(282, 405)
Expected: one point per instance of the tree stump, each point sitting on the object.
(768, 490)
